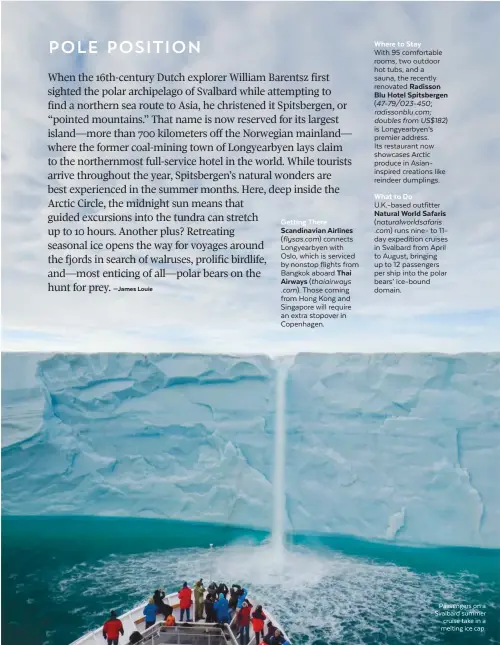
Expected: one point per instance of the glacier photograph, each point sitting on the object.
(355, 495)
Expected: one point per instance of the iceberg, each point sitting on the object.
(398, 447)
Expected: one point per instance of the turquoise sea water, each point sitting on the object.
(62, 575)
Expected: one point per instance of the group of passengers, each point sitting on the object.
(211, 604)
(236, 610)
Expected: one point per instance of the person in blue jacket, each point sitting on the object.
(150, 613)
(241, 598)
(222, 609)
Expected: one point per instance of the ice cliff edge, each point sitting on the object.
(401, 447)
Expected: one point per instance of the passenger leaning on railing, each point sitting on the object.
(278, 638)
(161, 606)
(270, 633)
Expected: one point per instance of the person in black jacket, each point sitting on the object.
(161, 607)
(210, 614)
(233, 597)
(222, 589)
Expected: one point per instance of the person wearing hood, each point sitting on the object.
(258, 618)
(222, 609)
(242, 594)
(149, 612)
(186, 601)
(244, 622)
(209, 609)
(199, 596)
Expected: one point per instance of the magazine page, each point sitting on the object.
(250, 315)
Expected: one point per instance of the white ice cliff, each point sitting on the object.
(396, 446)
(400, 447)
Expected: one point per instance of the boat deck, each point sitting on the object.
(199, 633)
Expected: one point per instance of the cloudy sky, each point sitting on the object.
(457, 313)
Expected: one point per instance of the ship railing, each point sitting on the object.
(190, 634)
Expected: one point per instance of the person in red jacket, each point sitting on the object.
(244, 622)
(112, 629)
(258, 618)
(185, 602)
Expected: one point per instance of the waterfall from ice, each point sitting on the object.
(279, 497)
